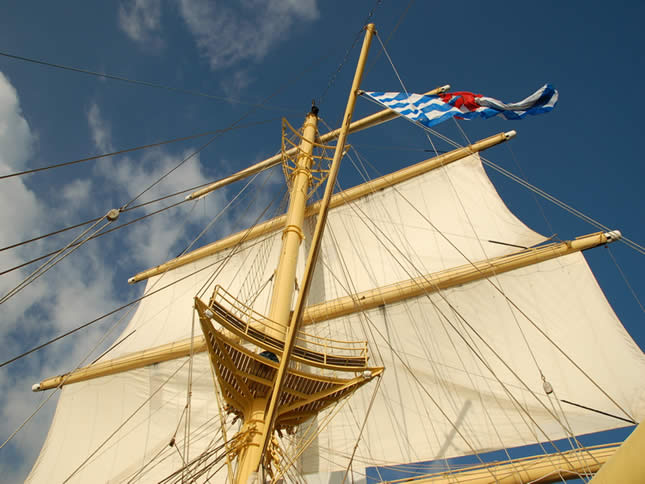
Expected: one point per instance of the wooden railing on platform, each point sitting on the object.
(250, 325)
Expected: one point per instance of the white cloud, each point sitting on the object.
(141, 21)
(235, 83)
(101, 131)
(159, 237)
(81, 287)
(75, 291)
(20, 210)
(228, 35)
(76, 194)
(16, 139)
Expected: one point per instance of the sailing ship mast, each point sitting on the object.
(260, 411)
(253, 355)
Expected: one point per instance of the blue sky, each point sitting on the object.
(284, 54)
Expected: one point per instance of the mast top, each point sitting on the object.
(314, 109)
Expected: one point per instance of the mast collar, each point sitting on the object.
(613, 235)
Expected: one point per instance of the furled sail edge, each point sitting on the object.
(337, 200)
(351, 304)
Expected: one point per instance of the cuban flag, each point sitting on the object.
(432, 110)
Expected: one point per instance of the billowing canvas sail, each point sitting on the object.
(449, 217)
(461, 375)
(120, 426)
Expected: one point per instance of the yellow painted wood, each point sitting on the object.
(541, 468)
(627, 465)
(285, 274)
(445, 279)
(132, 361)
(336, 201)
(296, 318)
(363, 123)
(349, 304)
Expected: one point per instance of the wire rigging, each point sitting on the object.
(96, 235)
(332, 78)
(622, 274)
(184, 160)
(150, 293)
(511, 302)
(577, 213)
(128, 209)
(141, 83)
(136, 148)
(390, 35)
(56, 258)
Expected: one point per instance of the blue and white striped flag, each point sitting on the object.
(432, 110)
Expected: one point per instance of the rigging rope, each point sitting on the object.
(632, 244)
(189, 388)
(53, 261)
(56, 258)
(233, 125)
(141, 83)
(360, 434)
(120, 308)
(332, 78)
(236, 249)
(629, 286)
(389, 37)
(128, 209)
(96, 235)
(446, 390)
(144, 404)
(364, 217)
(535, 325)
(136, 148)
(533, 194)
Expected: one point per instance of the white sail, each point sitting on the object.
(453, 353)
(449, 217)
(462, 214)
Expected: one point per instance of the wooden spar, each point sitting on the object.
(541, 468)
(451, 277)
(265, 431)
(337, 200)
(292, 235)
(363, 123)
(254, 408)
(352, 304)
(139, 359)
(627, 465)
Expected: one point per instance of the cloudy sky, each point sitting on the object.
(245, 64)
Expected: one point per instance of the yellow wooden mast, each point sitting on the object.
(298, 311)
(255, 421)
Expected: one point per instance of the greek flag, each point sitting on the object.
(432, 110)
